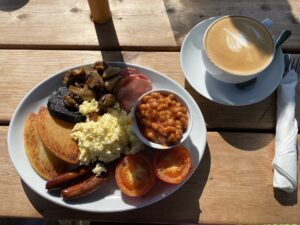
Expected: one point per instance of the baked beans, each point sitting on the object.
(161, 118)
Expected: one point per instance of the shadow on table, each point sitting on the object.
(236, 137)
(184, 206)
(247, 141)
(11, 5)
(286, 199)
(108, 40)
(203, 171)
(185, 14)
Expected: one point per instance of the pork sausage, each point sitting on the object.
(83, 188)
(68, 178)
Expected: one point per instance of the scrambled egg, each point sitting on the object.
(99, 168)
(107, 138)
(88, 107)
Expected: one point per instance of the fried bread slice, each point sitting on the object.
(42, 161)
(56, 136)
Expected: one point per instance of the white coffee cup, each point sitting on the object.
(237, 49)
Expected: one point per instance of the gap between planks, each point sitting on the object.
(91, 48)
(115, 49)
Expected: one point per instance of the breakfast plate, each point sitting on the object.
(108, 198)
(220, 92)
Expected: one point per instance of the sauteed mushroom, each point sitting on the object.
(106, 101)
(100, 66)
(111, 83)
(110, 72)
(94, 80)
(70, 102)
(85, 93)
(73, 76)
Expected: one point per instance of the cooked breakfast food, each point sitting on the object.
(85, 84)
(57, 106)
(131, 88)
(135, 175)
(173, 166)
(162, 118)
(87, 124)
(56, 136)
(68, 178)
(42, 161)
(83, 188)
(107, 138)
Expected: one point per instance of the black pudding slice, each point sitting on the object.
(58, 109)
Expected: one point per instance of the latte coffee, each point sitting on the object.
(239, 45)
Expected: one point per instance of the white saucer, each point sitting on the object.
(223, 93)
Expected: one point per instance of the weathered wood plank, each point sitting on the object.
(11, 187)
(184, 14)
(21, 70)
(233, 184)
(67, 24)
(56, 24)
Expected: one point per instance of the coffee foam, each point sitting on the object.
(235, 41)
(239, 45)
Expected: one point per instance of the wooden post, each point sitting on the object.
(100, 10)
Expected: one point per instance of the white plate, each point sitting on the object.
(223, 93)
(109, 198)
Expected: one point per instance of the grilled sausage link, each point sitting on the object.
(83, 188)
(68, 178)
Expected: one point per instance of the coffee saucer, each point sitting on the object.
(217, 91)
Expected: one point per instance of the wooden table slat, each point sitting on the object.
(134, 25)
(67, 24)
(235, 173)
(21, 70)
(285, 14)
(233, 183)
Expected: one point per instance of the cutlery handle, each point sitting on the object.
(282, 38)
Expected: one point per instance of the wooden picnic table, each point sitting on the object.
(233, 183)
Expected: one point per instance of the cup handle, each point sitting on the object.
(267, 22)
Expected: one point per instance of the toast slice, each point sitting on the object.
(56, 136)
(42, 161)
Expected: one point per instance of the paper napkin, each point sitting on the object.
(285, 159)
